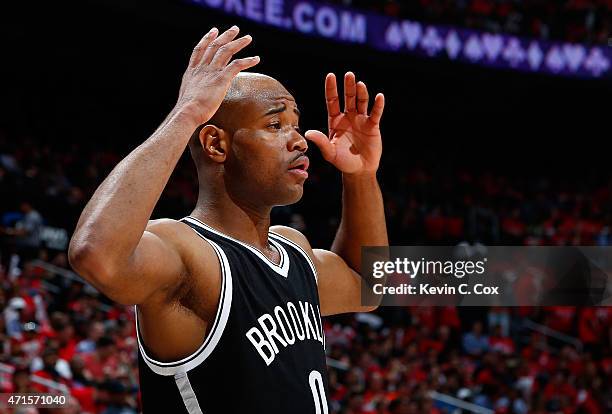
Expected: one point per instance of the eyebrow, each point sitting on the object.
(279, 109)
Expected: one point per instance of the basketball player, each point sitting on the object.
(228, 308)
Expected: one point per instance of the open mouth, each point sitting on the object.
(300, 166)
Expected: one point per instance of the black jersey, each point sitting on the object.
(265, 352)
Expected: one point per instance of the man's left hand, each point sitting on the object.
(354, 144)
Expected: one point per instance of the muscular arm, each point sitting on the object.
(354, 146)
(114, 246)
(363, 219)
(362, 224)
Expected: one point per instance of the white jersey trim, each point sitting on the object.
(299, 249)
(282, 268)
(189, 397)
(213, 337)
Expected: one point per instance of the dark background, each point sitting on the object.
(108, 71)
(105, 74)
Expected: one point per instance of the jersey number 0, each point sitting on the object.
(318, 392)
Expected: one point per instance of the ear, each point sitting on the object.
(214, 142)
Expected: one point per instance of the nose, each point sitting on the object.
(297, 142)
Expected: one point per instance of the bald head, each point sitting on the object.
(247, 90)
(245, 151)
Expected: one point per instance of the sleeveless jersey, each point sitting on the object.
(265, 351)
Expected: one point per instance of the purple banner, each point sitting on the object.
(389, 34)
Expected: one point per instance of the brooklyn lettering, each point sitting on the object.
(283, 327)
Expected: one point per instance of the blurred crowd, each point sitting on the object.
(446, 206)
(392, 361)
(582, 21)
(55, 328)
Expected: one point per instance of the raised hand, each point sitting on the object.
(210, 72)
(353, 144)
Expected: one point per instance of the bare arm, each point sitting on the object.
(363, 218)
(354, 146)
(114, 246)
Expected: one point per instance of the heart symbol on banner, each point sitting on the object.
(412, 33)
(574, 55)
(492, 45)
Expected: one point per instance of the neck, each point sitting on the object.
(236, 218)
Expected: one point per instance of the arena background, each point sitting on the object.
(471, 154)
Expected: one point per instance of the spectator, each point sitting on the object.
(27, 230)
(94, 332)
(103, 363)
(383, 363)
(50, 365)
(13, 316)
(500, 342)
(22, 382)
(474, 342)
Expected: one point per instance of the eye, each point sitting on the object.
(275, 125)
(298, 129)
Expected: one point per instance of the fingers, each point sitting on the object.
(224, 53)
(362, 98)
(377, 108)
(322, 141)
(223, 39)
(217, 51)
(198, 51)
(349, 92)
(239, 65)
(331, 95)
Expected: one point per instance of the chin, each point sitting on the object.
(292, 196)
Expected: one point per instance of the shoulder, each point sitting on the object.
(172, 231)
(293, 235)
(196, 252)
(166, 226)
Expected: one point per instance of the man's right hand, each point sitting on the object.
(210, 72)
(114, 246)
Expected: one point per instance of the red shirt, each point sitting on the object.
(68, 350)
(561, 318)
(502, 344)
(100, 370)
(590, 328)
(557, 390)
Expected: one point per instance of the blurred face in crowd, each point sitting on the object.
(259, 143)
(376, 382)
(66, 333)
(96, 331)
(21, 379)
(50, 359)
(106, 351)
(77, 366)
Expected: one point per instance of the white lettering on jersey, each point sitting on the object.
(275, 328)
(260, 344)
(295, 318)
(271, 332)
(280, 311)
(307, 321)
